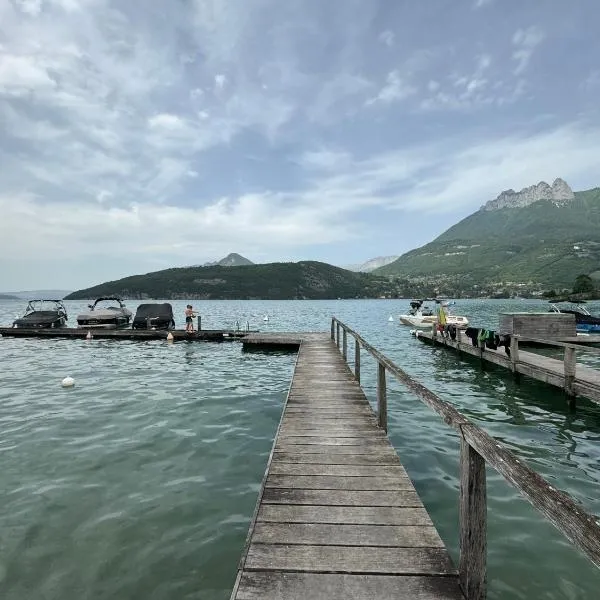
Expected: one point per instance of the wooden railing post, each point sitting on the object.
(473, 523)
(333, 328)
(381, 397)
(514, 356)
(344, 345)
(357, 360)
(570, 367)
(338, 335)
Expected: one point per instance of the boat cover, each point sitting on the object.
(39, 318)
(160, 315)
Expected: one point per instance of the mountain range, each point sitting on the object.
(272, 281)
(524, 243)
(35, 294)
(539, 238)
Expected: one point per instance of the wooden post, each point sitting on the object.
(357, 360)
(199, 322)
(570, 366)
(338, 335)
(344, 345)
(332, 328)
(381, 397)
(473, 523)
(514, 356)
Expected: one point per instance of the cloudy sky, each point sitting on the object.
(143, 134)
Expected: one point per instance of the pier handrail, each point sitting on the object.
(476, 448)
(526, 338)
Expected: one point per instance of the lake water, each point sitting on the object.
(139, 483)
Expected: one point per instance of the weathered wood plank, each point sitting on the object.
(321, 482)
(355, 559)
(270, 585)
(367, 448)
(283, 468)
(321, 430)
(329, 458)
(321, 534)
(372, 441)
(405, 498)
(357, 515)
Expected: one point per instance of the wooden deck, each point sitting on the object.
(122, 334)
(586, 381)
(337, 517)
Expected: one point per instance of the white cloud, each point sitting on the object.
(526, 41)
(396, 88)
(166, 121)
(220, 81)
(481, 3)
(387, 38)
(325, 160)
(21, 75)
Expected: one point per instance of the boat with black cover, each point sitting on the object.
(101, 316)
(154, 316)
(43, 314)
(584, 321)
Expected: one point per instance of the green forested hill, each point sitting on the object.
(274, 281)
(539, 245)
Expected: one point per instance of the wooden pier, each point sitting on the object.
(337, 517)
(213, 335)
(576, 380)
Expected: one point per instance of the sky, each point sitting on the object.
(142, 135)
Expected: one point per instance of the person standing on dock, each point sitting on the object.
(189, 319)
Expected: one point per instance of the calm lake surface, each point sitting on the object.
(139, 483)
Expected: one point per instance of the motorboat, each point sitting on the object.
(421, 316)
(43, 314)
(154, 316)
(106, 313)
(584, 321)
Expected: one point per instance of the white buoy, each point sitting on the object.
(391, 319)
(68, 382)
(89, 335)
(266, 318)
(170, 337)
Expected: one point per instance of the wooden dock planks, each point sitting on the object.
(338, 517)
(545, 369)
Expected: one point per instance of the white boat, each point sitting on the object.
(113, 316)
(420, 316)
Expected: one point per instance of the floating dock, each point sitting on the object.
(576, 380)
(213, 335)
(337, 516)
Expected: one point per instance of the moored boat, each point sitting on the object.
(421, 316)
(43, 314)
(106, 313)
(154, 316)
(584, 321)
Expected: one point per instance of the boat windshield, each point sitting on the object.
(107, 304)
(44, 306)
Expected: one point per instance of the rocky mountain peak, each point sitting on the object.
(559, 193)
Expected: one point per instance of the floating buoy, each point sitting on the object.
(391, 319)
(170, 337)
(67, 382)
(266, 318)
(89, 335)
